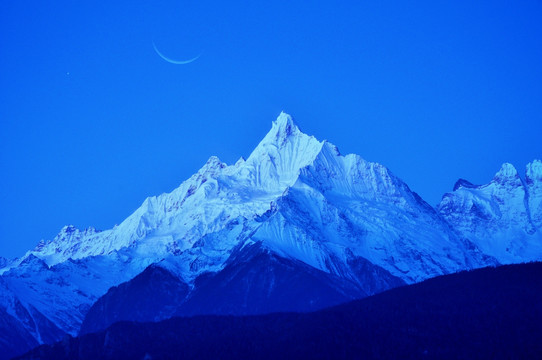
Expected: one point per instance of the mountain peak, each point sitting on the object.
(212, 166)
(281, 154)
(285, 120)
(34, 261)
(533, 172)
(507, 174)
(214, 161)
(282, 129)
(68, 229)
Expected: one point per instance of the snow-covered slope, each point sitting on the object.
(203, 204)
(344, 206)
(503, 217)
(296, 199)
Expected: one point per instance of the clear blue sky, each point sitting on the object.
(92, 120)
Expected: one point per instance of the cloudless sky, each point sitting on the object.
(92, 120)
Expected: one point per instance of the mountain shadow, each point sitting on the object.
(152, 295)
(254, 281)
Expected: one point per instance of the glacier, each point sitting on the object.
(295, 201)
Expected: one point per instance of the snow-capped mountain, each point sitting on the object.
(503, 217)
(533, 182)
(296, 214)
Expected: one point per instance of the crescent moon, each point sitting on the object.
(172, 61)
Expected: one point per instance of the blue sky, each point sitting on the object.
(92, 120)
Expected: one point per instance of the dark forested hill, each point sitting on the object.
(485, 313)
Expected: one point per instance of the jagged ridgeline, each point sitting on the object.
(295, 227)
